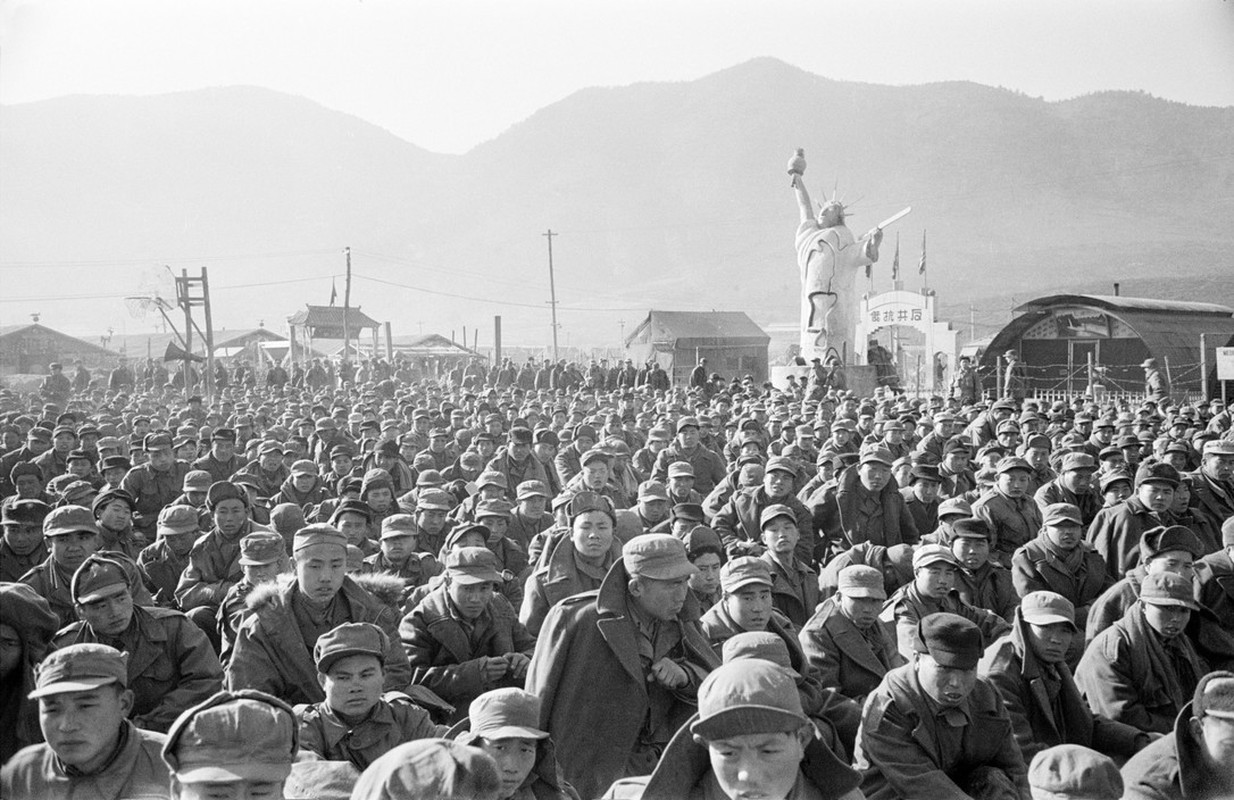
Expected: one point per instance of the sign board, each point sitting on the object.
(1225, 363)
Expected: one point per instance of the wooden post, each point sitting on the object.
(188, 334)
(1169, 379)
(389, 343)
(205, 304)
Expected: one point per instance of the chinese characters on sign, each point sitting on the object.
(895, 315)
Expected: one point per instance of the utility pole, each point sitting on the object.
(205, 303)
(187, 299)
(622, 323)
(347, 309)
(188, 333)
(972, 322)
(552, 288)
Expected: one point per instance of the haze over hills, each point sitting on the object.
(670, 195)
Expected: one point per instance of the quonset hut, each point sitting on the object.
(730, 341)
(1056, 336)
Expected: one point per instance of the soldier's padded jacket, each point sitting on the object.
(1173, 768)
(393, 721)
(137, 772)
(587, 673)
(840, 514)
(842, 656)
(898, 752)
(271, 654)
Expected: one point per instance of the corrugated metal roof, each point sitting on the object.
(1120, 303)
(678, 326)
(9, 331)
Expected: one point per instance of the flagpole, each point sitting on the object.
(922, 270)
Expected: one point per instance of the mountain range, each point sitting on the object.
(666, 195)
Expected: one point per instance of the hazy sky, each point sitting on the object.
(448, 75)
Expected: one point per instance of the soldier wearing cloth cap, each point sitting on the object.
(91, 749)
(749, 738)
(529, 516)
(517, 463)
(934, 729)
(794, 589)
(355, 722)
(505, 724)
(263, 559)
(1075, 485)
(464, 639)
(156, 483)
(708, 467)
(274, 643)
(1212, 485)
(651, 509)
(1193, 761)
(864, 505)
(981, 582)
(1115, 533)
(430, 769)
(267, 470)
(573, 561)
(233, 745)
(638, 638)
(221, 462)
(1073, 772)
(739, 521)
(1028, 667)
(844, 642)
(171, 665)
(1010, 511)
(214, 561)
(1142, 670)
(23, 546)
(162, 563)
(72, 535)
(1216, 578)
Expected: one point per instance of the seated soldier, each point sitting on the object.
(745, 605)
(1010, 510)
(981, 582)
(505, 723)
(23, 546)
(171, 665)
(162, 563)
(1060, 561)
(1143, 669)
(398, 556)
(740, 521)
(72, 536)
(1072, 771)
(933, 590)
(894, 563)
(706, 553)
(91, 748)
(26, 628)
(355, 722)
(1029, 669)
(651, 508)
(934, 729)
(794, 590)
(1192, 762)
(682, 518)
(214, 561)
(750, 738)
(262, 559)
(273, 649)
(234, 745)
(529, 516)
(429, 769)
(844, 642)
(355, 519)
(463, 639)
(512, 560)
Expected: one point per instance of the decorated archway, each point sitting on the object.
(934, 358)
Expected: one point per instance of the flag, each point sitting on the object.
(895, 263)
(333, 292)
(921, 266)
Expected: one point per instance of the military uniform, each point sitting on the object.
(845, 657)
(1013, 520)
(153, 490)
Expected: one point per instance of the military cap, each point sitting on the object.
(1108, 479)
(893, 425)
(1168, 589)
(109, 443)
(780, 464)
(429, 477)
(528, 489)
(316, 534)
(59, 429)
(39, 434)
(303, 467)
(1155, 541)
(220, 491)
(876, 454)
(1157, 473)
(925, 472)
(545, 436)
(223, 435)
(1047, 608)
(971, 528)
(954, 505)
(439, 433)
(79, 668)
(520, 435)
(748, 696)
(350, 639)
(680, 469)
(744, 571)
(269, 446)
(100, 575)
(1012, 463)
(177, 519)
(658, 434)
(775, 510)
(340, 450)
(949, 639)
(1074, 772)
(687, 422)
(1214, 696)
(1078, 461)
(244, 420)
(1061, 514)
(77, 491)
(858, 580)
(652, 490)
(352, 507)
(1037, 442)
(262, 547)
(1105, 422)
(595, 454)
(196, 480)
(504, 714)
(806, 431)
(763, 645)
(585, 501)
(430, 768)
(659, 556)
(1007, 426)
(700, 539)
(468, 565)
(156, 441)
(928, 554)
(956, 445)
(498, 507)
(25, 468)
(78, 455)
(69, 519)
(492, 478)
(432, 499)
(18, 511)
(241, 735)
(1219, 447)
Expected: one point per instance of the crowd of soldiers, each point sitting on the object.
(359, 582)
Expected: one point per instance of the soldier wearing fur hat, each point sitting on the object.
(933, 728)
(638, 637)
(214, 561)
